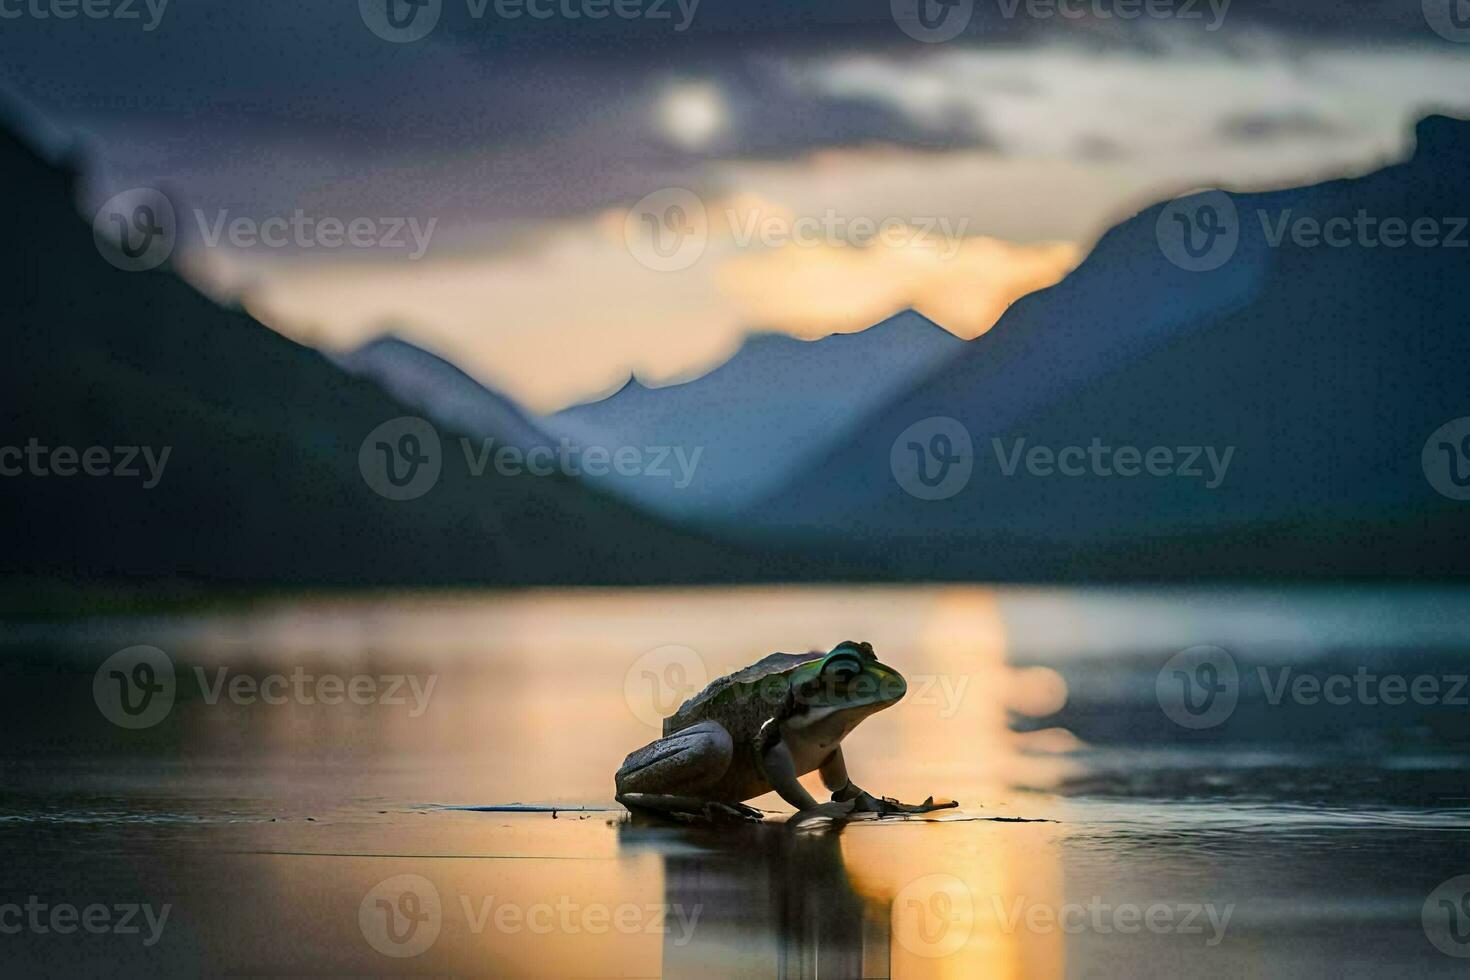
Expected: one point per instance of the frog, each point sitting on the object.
(761, 728)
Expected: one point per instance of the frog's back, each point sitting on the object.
(743, 700)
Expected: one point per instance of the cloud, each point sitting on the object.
(1064, 100)
(964, 284)
(527, 142)
(574, 312)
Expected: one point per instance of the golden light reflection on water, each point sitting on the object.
(311, 838)
(537, 697)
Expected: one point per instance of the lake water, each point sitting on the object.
(1152, 783)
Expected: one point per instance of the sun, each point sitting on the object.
(692, 114)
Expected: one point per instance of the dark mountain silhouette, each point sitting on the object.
(262, 485)
(755, 419)
(440, 391)
(1326, 368)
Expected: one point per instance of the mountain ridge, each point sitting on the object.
(264, 484)
(757, 414)
(1131, 343)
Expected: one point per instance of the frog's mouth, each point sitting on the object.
(839, 718)
(877, 688)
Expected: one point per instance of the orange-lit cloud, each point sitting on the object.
(567, 316)
(964, 284)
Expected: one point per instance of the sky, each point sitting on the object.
(554, 202)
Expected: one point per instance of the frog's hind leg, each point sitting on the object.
(687, 807)
(669, 775)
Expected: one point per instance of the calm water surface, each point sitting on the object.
(319, 796)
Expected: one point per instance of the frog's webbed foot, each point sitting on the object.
(688, 808)
(733, 811)
(846, 791)
(862, 802)
(867, 803)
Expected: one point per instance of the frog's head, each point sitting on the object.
(842, 688)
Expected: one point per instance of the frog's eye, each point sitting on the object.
(842, 666)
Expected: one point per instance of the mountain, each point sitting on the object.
(1324, 369)
(268, 480)
(741, 430)
(440, 391)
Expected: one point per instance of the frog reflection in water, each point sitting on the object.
(758, 730)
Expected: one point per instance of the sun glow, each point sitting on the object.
(692, 114)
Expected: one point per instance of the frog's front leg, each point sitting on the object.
(835, 778)
(780, 772)
(844, 790)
